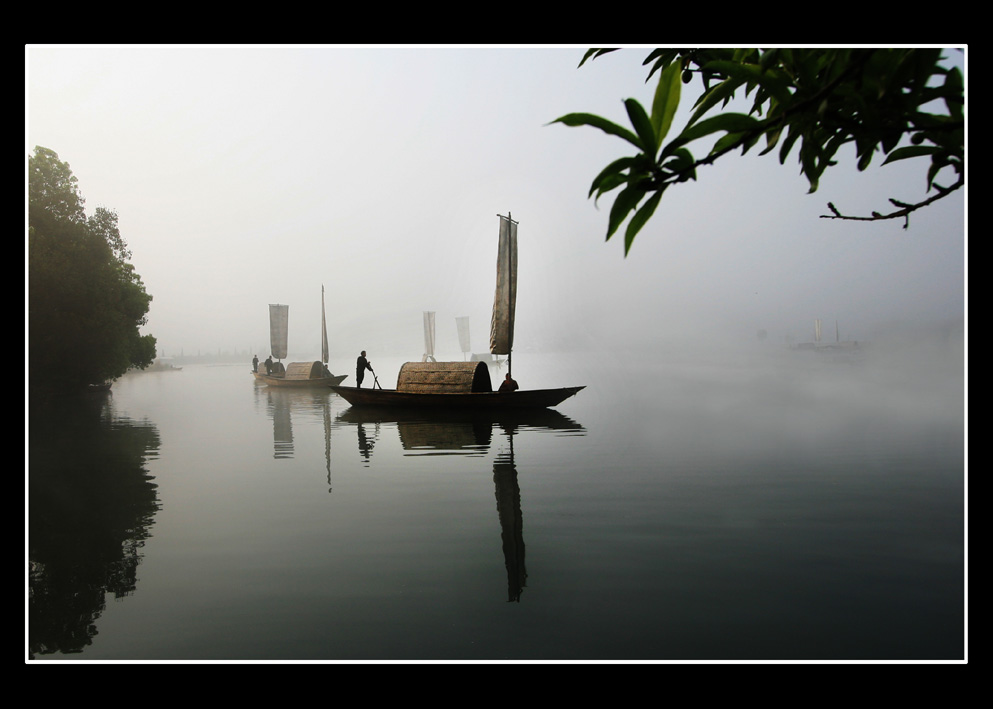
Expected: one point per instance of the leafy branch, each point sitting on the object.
(815, 99)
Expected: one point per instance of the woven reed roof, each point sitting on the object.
(444, 377)
(304, 370)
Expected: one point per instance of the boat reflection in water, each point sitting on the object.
(470, 433)
(282, 403)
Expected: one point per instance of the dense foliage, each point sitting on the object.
(880, 100)
(85, 301)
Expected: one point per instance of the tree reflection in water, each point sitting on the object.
(91, 503)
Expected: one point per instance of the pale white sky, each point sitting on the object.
(244, 176)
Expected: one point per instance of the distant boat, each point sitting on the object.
(837, 346)
(308, 374)
(467, 384)
(465, 343)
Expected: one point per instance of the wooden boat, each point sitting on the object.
(532, 398)
(304, 374)
(308, 374)
(467, 384)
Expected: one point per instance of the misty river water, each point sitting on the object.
(766, 504)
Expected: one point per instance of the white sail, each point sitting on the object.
(279, 317)
(324, 331)
(817, 330)
(463, 326)
(505, 299)
(428, 337)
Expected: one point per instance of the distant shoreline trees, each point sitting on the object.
(85, 300)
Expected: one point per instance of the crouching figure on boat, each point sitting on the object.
(508, 384)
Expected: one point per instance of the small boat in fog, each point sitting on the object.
(304, 374)
(467, 384)
(839, 345)
(301, 374)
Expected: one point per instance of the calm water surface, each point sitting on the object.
(774, 505)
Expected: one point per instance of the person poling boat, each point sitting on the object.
(362, 364)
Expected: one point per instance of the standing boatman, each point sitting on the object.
(361, 364)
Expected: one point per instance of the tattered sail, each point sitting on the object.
(463, 326)
(428, 337)
(279, 317)
(324, 331)
(505, 299)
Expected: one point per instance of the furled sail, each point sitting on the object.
(463, 326)
(279, 316)
(324, 331)
(505, 299)
(428, 337)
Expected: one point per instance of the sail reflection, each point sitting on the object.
(471, 434)
(283, 403)
(508, 502)
(91, 506)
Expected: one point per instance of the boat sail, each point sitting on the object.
(467, 384)
(324, 331)
(428, 337)
(306, 374)
(505, 298)
(462, 324)
(279, 316)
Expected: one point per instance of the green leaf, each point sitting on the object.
(911, 151)
(775, 82)
(729, 122)
(626, 201)
(666, 101)
(720, 93)
(611, 176)
(588, 119)
(642, 126)
(639, 220)
(594, 53)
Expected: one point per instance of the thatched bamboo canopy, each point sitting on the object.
(304, 370)
(444, 377)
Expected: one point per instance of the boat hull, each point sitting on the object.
(303, 383)
(534, 398)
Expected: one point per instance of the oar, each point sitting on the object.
(375, 379)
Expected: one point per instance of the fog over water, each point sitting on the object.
(782, 501)
(244, 176)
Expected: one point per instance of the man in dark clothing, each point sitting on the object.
(268, 365)
(362, 364)
(508, 384)
(255, 363)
